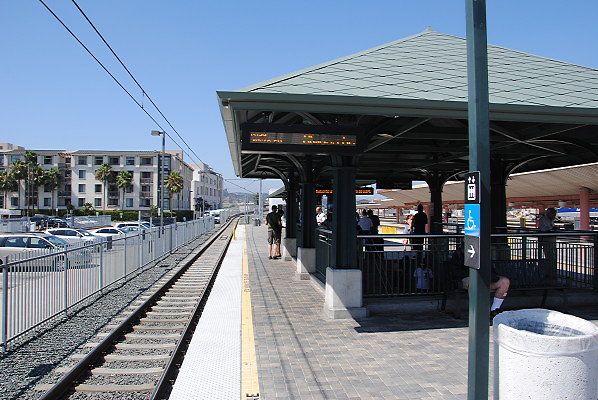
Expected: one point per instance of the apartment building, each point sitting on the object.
(207, 185)
(79, 185)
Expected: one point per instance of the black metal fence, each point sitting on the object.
(406, 265)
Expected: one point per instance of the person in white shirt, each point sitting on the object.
(320, 215)
(365, 223)
(423, 275)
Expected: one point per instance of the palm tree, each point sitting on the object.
(7, 184)
(104, 174)
(18, 170)
(123, 181)
(51, 180)
(88, 208)
(174, 183)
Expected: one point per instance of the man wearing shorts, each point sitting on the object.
(274, 233)
(500, 284)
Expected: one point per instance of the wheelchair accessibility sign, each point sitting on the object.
(472, 220)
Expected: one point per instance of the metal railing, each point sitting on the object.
(404, 265)
(38, 285)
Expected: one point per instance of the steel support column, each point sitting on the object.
(435, 184)
(291, 212)
(479, 160)
(308, 208)
(498, 201)
(344, 231)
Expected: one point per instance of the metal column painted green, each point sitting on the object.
(308, 208)
(479, 160)
(291, 212)
(344, 231)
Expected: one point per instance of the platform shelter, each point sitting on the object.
(397, 113)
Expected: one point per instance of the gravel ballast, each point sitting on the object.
(30, 362)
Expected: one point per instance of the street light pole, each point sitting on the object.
(161, 174)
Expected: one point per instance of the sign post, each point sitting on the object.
(478, 242)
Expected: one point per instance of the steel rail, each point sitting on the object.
(66, 382)
(166, 379)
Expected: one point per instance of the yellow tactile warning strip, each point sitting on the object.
(250, 387)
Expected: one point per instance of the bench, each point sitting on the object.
(525, 276)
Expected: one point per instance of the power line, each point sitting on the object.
(143, 91)
(112, 76)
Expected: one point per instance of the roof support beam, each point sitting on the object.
(404, 129)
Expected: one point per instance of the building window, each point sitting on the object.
(98, 188)
(14, 201)
(82, 160)
(129, 189)
(67, 188)
(129, 203)
(166, 204)
(47, 201)
(146, 161)
(145, 203)
(146, 175)
(81, 201)
(47, 189)
(98, 160)
(130, 161)
(47, 160)
(81, 174)
(113, 201)
(114, 160)
(97, 202)
(81, 188)
(112, 188)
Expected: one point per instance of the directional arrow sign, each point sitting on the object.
(471, 251)
(472, 247)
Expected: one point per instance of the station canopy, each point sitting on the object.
(526, 187)
(401, 109)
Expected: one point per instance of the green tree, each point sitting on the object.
(174, 184)
(7, 184)
(88, 209)
(18, 170)
(52, 178)
(104, 174)
(35, 178)
(124, 180)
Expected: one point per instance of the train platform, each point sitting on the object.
(263, 335)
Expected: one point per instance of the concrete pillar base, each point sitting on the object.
(343, 297)
(306, 262)
(289, 248)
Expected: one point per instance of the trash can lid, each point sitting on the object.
(544, 332)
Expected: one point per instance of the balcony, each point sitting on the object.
(146, 195)
(145, 181)
(113, 194)
(64, 194)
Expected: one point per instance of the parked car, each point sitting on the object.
(56, 223)
(73, 235)
(13, 244)
(111, 232)
(135, 224)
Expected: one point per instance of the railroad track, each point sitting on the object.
(142, 351)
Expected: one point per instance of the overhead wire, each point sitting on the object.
(114, 78)
(143, 91)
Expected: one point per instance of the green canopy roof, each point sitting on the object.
(433, 66)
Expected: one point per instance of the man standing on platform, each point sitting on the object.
(274, 233)
(420, 220)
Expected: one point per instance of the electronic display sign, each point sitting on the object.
(320, 139)
(358, 191)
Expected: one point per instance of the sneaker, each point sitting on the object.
(493, 314)
(270, 257)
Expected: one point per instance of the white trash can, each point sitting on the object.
(543, 354)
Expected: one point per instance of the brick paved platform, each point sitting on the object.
(303, 355)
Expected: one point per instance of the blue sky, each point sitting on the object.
(54, 96)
